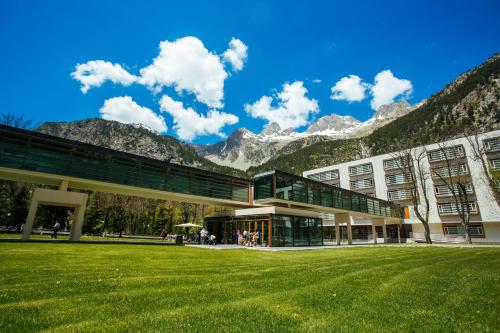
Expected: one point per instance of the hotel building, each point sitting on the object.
(380, 176)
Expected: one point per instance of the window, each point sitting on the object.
(451, 208)
(360, 169)
(476, 230)
(495, 164)
(444, 190)
(446, 153)
(399, 194)
(325, 175)
(397, 178)
(395, 163)
(453, 170)
(492, 144)
(361, 183)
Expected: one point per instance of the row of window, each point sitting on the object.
(492, 144)
(476, 230)
(445, 190)
(451, 208)
(402, 194)
(360, 169)
(495, 164)
(446, 153)
(395, 163)
(325, 175)
(397, 178)
(359, 184)
(453, 170)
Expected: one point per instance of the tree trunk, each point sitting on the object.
(428, 239)
(468, 238)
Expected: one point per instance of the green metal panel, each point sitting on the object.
(27, 150)
(310, 191)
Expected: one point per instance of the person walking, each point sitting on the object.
(164, 234)
(56, 229)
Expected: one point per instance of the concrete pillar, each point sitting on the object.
(374, 233)
(399, 233)
(337, 232)
(347, 219)
(43, 196)
(63, 185)
(28, 226)
(384, 230)
(379, 221)
(76, 226)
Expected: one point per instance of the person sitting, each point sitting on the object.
(213, 240)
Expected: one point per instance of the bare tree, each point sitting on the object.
(410, 162)
(457, 181)
(19, 121)
(479, 155)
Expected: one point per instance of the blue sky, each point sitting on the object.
(424, 44)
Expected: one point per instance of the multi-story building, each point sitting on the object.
(448, 166)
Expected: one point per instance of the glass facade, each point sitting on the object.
(284, 186)
(276, 230)
(33, 151)
(296, 231)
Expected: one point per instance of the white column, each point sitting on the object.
(345, 218)
(374, 232)
(337, 232)
(76, 226)
(28, 226)
(399, 233)
(384, 230)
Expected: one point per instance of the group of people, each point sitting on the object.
(206, 238)
(246, 238)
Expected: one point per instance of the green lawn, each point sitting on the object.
(85, 238)
(99, 287)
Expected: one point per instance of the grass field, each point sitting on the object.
(89, 287)
(86, 238)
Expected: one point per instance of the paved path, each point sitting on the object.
(304, 248)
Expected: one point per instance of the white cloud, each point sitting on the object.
(188, 124)
(236, 54)
(349, 88)
(316, 81)
(94, 73)
(387, 88)
(293, 109)
(125, 110)
(188, 66)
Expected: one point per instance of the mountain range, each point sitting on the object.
(243, 148)
(470, 101)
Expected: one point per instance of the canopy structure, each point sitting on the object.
(188, 225)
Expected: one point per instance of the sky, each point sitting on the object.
(198, 70)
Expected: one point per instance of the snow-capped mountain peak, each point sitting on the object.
(244, 148)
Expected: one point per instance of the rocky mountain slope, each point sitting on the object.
(243, 148)
(133, 139)
(470, 102)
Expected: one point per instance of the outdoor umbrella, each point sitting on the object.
(187, 226)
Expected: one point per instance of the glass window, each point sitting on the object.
(278, 231)
(301, 231)
(314, 191)
(288, 230)
(263, 187)
(299, 191)
(284, 188)
(315, 231)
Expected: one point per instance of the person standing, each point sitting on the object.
(56, 229)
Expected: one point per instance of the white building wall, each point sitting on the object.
(488, 207)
